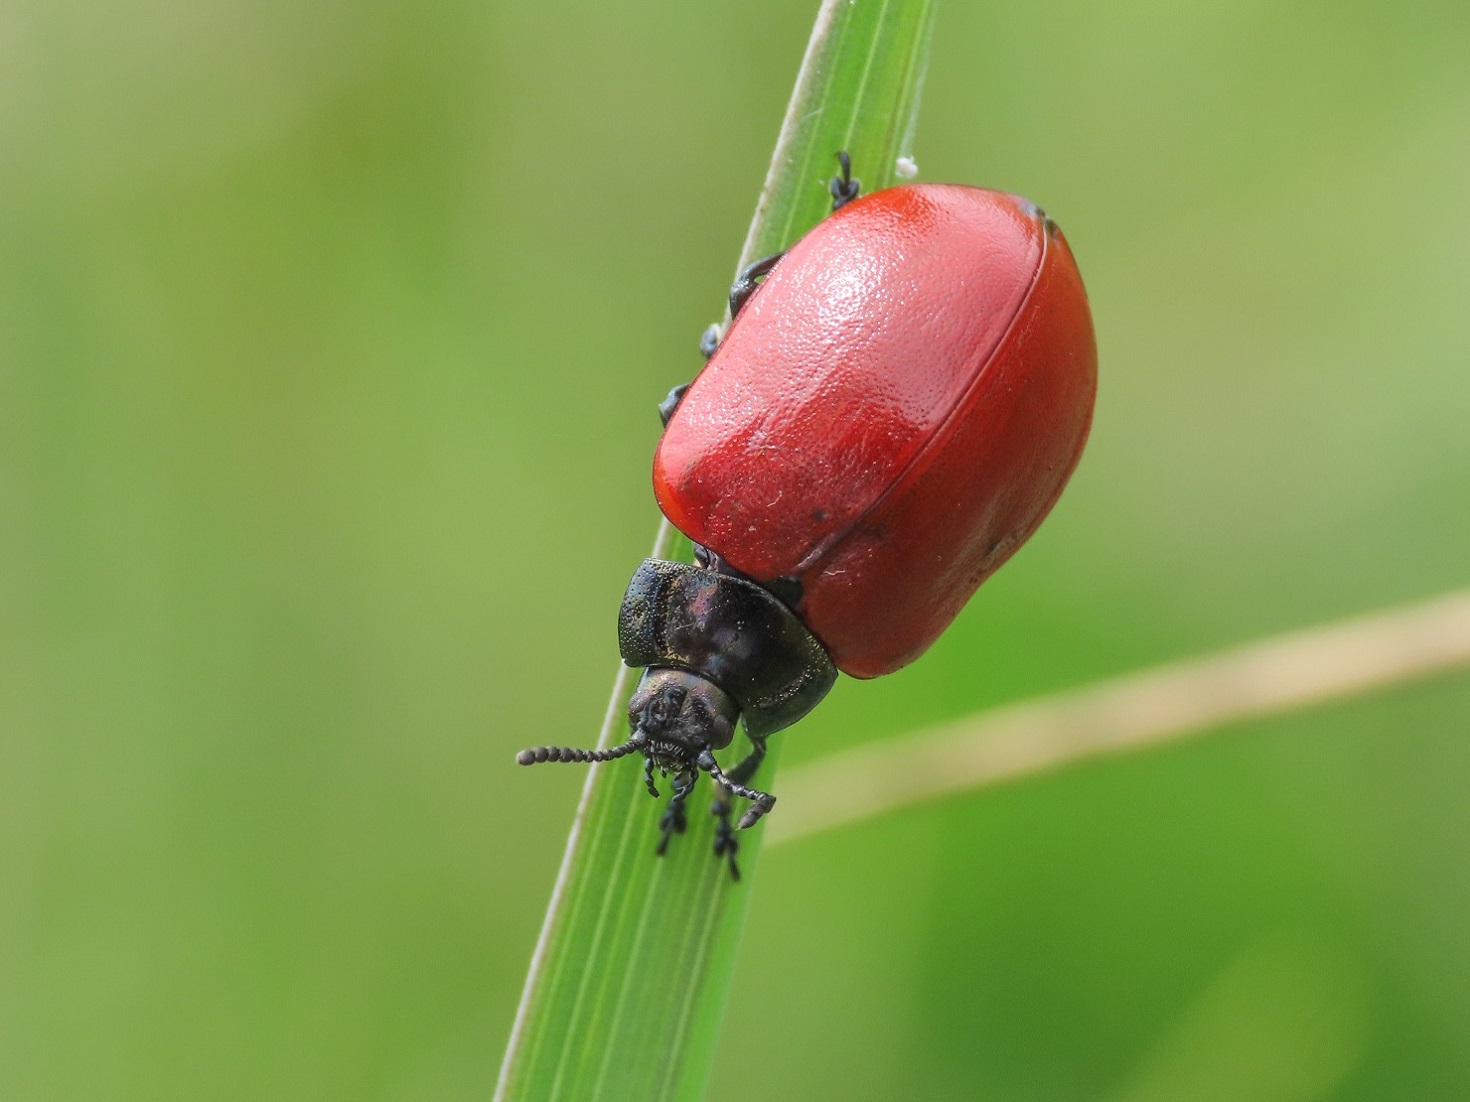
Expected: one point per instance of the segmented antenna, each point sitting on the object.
(538, 754)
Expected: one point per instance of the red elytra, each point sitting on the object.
(892, 414)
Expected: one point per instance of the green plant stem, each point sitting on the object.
(636, 954)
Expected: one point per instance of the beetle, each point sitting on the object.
(897, 403)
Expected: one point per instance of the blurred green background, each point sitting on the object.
(330, 335)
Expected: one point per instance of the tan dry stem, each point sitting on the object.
(1170, 702)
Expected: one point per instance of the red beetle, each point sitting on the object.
(891, 414)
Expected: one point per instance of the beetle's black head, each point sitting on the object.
(679, 720)
(679, 715)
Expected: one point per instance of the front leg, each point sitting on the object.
(726, 844)
(674, 821)
(763, 801)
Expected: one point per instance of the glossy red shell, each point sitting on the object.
(893, 413)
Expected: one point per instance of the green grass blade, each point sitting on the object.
(634, 962)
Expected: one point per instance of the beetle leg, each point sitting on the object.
(748, 765)
(673, 820)
(763, 801)
(668, 405)
(744, 285)
(844, 188)
(709, 340)
(726, 843)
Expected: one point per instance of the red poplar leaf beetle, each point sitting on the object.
(896, 405)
